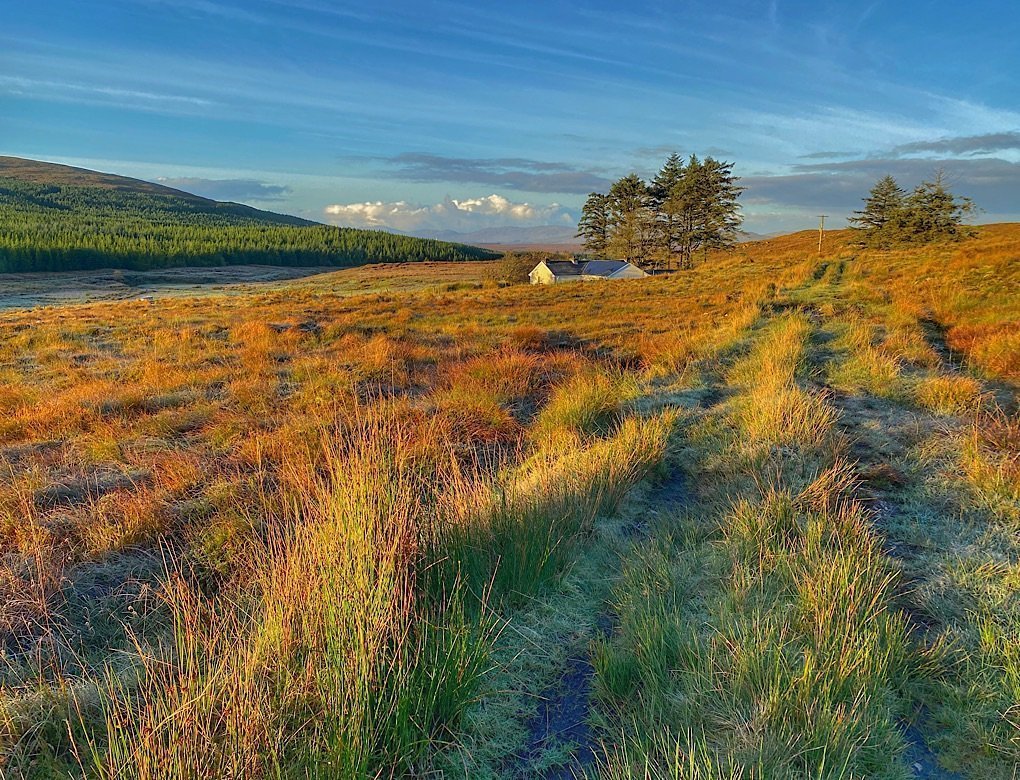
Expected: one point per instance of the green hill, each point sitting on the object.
(60, 218)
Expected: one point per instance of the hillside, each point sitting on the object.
(59, 218)
(32, 183)
(755, 519)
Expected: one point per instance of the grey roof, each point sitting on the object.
(585, 267)
(603, 267)
(564, 267)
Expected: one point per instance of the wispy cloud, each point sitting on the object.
(988, 143)
(506, 173)
(451, 214)
(62, 88)
(829, 155)
(228, 189)
(226, 11)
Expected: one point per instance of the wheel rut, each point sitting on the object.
(562, 719)
(564, 715)
(878, 431)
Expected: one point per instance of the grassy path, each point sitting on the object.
(924, 460)
(878, 432)
(537, 716)
(835, 601)
(532, 718)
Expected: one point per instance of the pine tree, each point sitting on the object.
(933, 212)
(630, 219)
(720, 217)
(665, 193)
(707, 202)
(883, 214)
(929, 213)
(593, 226)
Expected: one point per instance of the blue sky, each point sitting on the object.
(425, 116)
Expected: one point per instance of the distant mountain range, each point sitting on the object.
(747, 236)
(508, 234)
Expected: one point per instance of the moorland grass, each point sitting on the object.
(756, 636)
(299, 533)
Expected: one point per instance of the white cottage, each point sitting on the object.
(556, 271)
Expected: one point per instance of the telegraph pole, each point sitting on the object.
(821, 231)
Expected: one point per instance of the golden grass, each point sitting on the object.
(775, 410)
(948, 393)
(296, 513)
(191, 424)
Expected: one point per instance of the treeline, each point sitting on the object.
(63, 228)
(892, 217)
(689, 206)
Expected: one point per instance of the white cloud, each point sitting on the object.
(451, 214)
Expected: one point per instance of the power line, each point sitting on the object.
(821, 231)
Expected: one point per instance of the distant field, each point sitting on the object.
(19, 291)
(758, 519)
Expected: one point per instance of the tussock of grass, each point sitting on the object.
(907, 343)
(787, 416)
(990, 456)
(329, 657)
(587, 404)
(867, 368)
(775, 410)
(995, 348)
(478, 416)
(729, 334)
(777, 356)
(948, 393)
(669, 354)
(509, 540)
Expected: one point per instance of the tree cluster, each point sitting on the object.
(65, 228)
(891, 216)
(689, 206)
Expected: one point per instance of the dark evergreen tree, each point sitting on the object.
(934, 213)
(666, 193)
(704, 209)
(930, 213)
(883, 208)
(630, 219)
(719, 216)
(593, 226)
(883, 218)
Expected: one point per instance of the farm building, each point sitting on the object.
(555, 271)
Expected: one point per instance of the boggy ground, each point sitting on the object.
(31, 290)
(759, 519)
